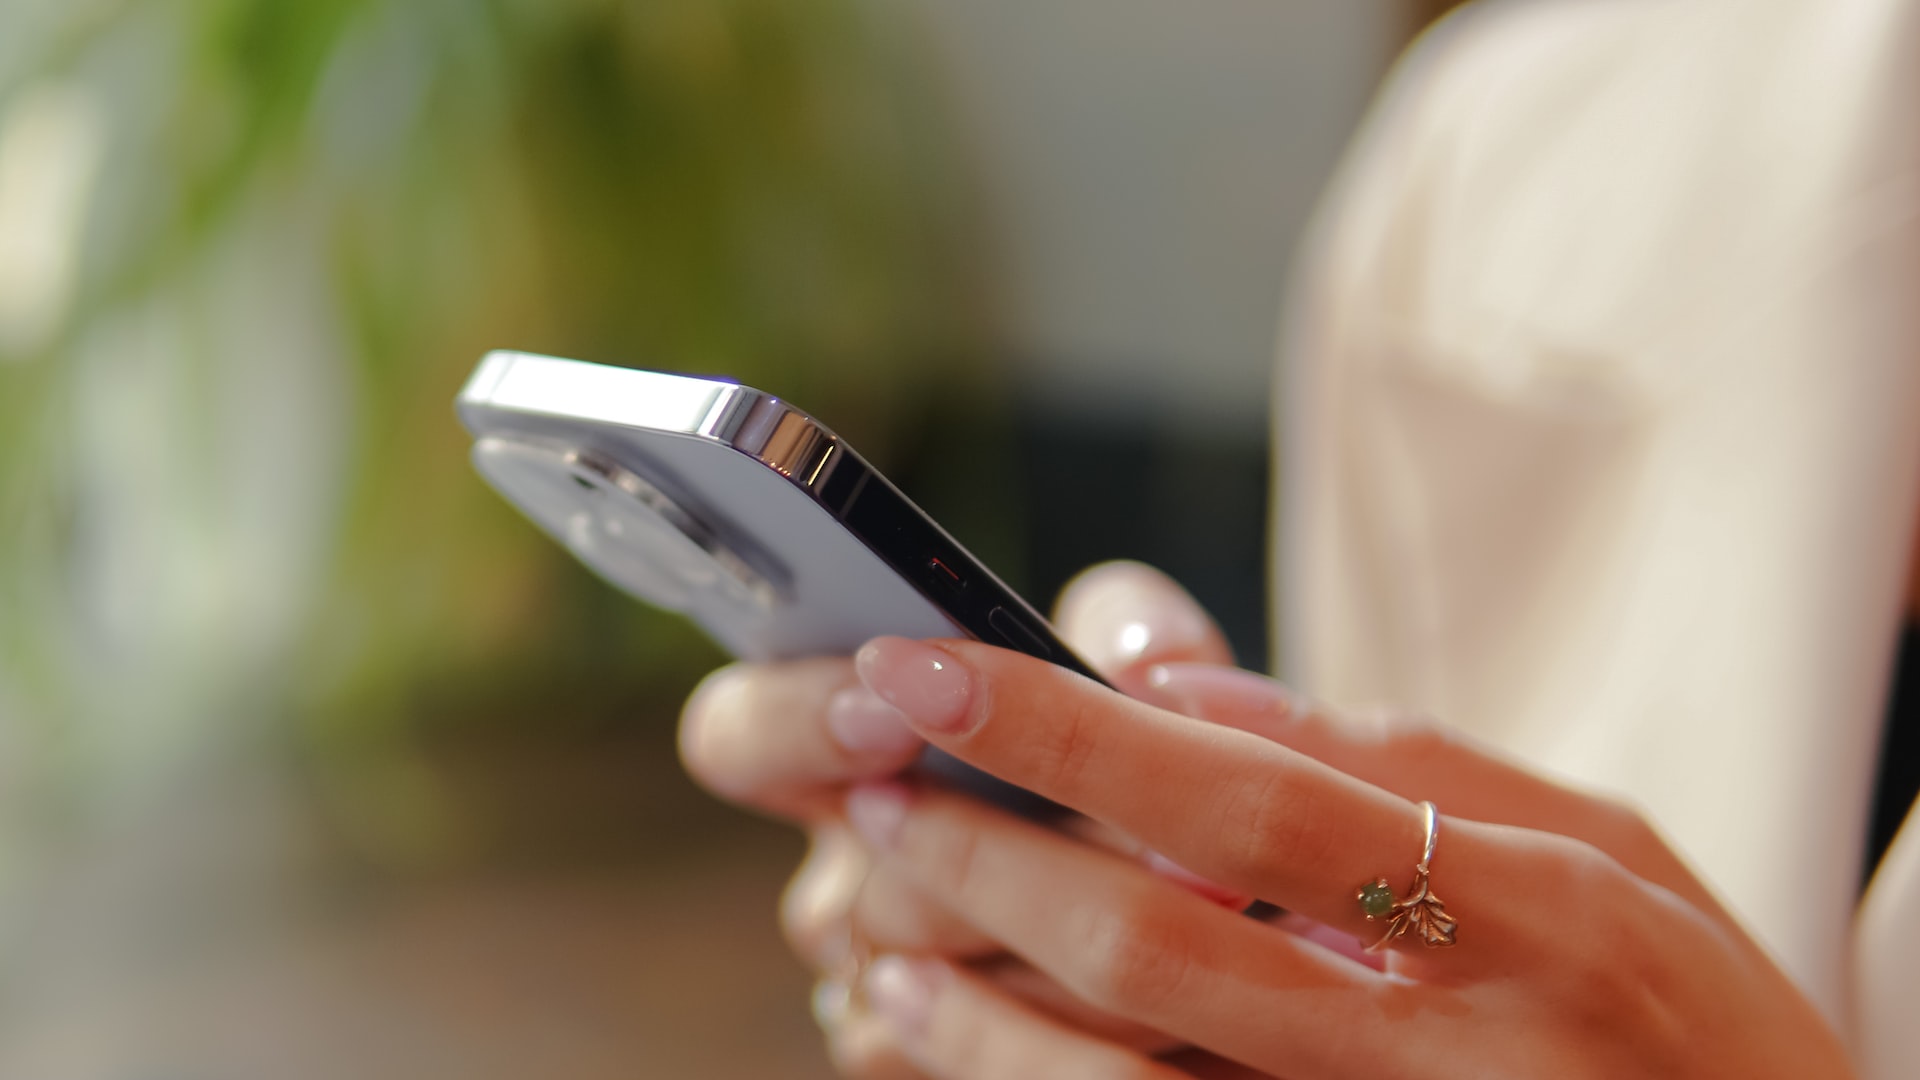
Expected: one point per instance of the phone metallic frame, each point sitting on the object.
(797, 447)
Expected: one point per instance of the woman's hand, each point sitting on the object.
(1585, 948)
(788, 739)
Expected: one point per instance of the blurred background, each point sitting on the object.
(315, 759)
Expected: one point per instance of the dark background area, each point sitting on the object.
(1041, 493)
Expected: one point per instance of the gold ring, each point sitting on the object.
(1418, 914)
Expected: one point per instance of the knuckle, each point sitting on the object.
(1627, 983)
(1136, 956)
(1279, 814)
(1581, 875)
(1418, 739)
(1610, 953)
(1063, 747)
(1621, 828)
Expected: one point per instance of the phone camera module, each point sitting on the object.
(623, 526)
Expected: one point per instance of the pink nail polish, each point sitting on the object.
(1121, 613)
(902, 991)
(876, 810)
(926, 684)
(861, 721)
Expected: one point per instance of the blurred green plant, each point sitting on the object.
(232, 486)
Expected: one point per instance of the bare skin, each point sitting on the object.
(1586, 947)
(781, 739)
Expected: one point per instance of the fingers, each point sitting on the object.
(954, 1026)
(1040, 992)
(1126, 619)
(1232, 807)
(1124, 616)
(864, 1045)
(1560, 932)
(782, 737)
(861, 1044)
(1416, 757)
(892, 913)
(1200, 1065)
(839, 892)
(1121, 939)
(815, 906)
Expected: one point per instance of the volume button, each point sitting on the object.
(1016, 634)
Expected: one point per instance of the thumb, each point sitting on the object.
(1124, 617)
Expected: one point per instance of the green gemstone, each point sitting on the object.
(1376, 900)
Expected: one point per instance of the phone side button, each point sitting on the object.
(1016, 634)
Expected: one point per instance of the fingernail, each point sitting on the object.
(902, 990)
(1222, 694)
(876, 810)
(929, 686)
(861, 721)
(832, 1000)
(1118, 613)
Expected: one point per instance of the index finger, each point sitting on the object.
(1241, 810)
(784, 736)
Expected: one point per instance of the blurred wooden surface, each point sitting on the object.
(211, 938)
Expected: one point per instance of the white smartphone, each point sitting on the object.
(714, 499)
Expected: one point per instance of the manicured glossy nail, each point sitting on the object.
(863, 722)
(902, 991)
(928, 685)
(1123, 612)
(876, 810)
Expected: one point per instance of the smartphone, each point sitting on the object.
(727, 504)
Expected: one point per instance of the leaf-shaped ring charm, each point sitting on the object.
(1419, 914)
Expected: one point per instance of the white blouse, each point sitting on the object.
(1602, 435)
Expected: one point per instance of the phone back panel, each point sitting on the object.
(837, 592)
(842, 554)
